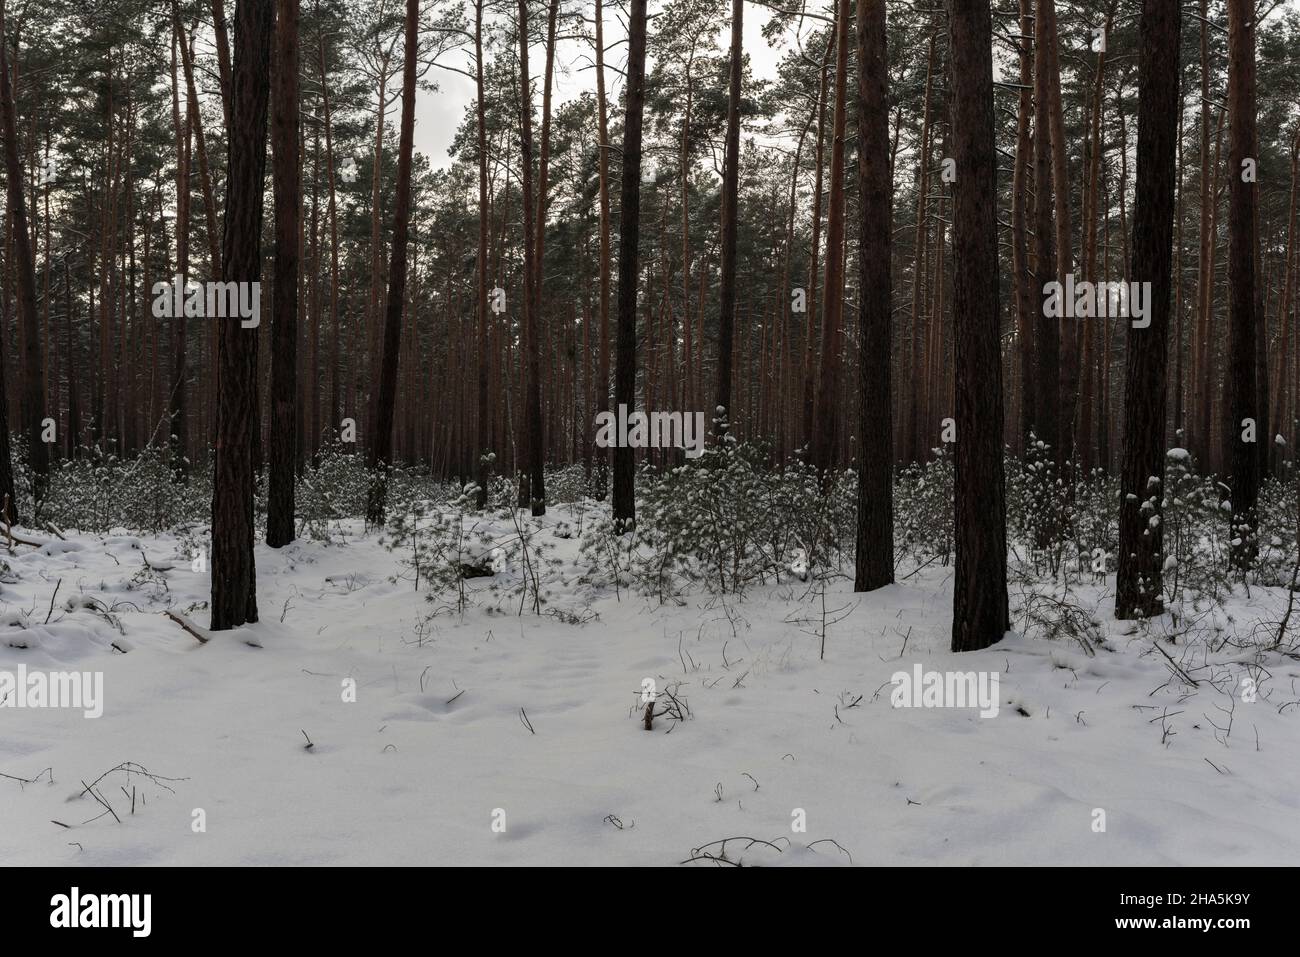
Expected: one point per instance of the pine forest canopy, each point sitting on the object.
(460, 237)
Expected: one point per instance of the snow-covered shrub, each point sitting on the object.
(441, 550)
(1092, 524)
(1276, 511)
(567, 484)
(336, 487)
(331, 490)
(639, 559)
(1038, 507)
(725, 521)
(502, 494)
(98, 491)
(1195, 515)
(923, 510)
(523, 564)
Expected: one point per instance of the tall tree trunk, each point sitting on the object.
(234, 589)
(826, 429)
(484, 442)
(336, 406)
(33, 398)
(921, 237)
(1138, 583)
(602, 365)
(381, 448)
(529, 444)
(1047, 341)
(1242, 400)
(1068, 384)
(201, 148)
(8, 493)
(373, 299)
(684, 168)
(284, 330)
(810, 327)
(629, 238)
(1204, 277)
(979, 614)
(1280, 405)
(1026, 316)
(722, 410)
(536, 429)
(178, 405)
(220, 35)
(313, 304)
(874, 565)
(1086, 439)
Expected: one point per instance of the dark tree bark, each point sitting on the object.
(381, 446)
(195, 119)
(178, 394)
(530, 444)
(1203, 389)
(874, 565)
(920, 243)
(602, 365)
(33, 393)
(1138, 582)
(335, 404)
(284, 329)
(810, 323)
(1026, 317)
(1047, 342)
(629, 237)
(1067, 387)
(234, 592)
(484, 442)
(826, 427)
(1241, 456)
(8, 494)
(979, 613)
(534, 424)
(730, 201)
(220, 35)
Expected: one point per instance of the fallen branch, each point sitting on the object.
(103, 802)
(14, 777)
(189, 626)
(1183, 674)
(831, 840)
(702, 853)
(52, 597)
(130, 768)
(7, 528)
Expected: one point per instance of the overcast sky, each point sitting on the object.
(439, 113)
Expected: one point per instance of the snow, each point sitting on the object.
(253, 727)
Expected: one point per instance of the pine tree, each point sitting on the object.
(1145, 389)
(33, 392)
(628, 269)
(979, 612)
(381, 446)
(1245, 427)
(284, 329)
(730, 202)
(875, 535)
(234, 576)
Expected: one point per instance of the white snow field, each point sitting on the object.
(434, 762)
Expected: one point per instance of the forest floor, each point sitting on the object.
(498, 738)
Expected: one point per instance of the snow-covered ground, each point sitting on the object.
(435, 763)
